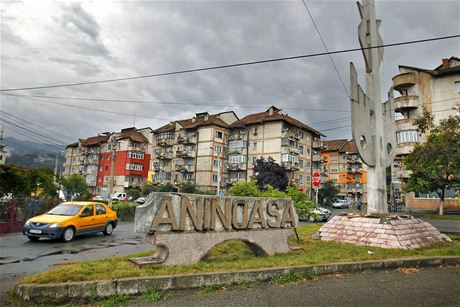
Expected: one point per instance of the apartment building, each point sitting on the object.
(277, 135)
(437, 91)
(131, 163)
(341, 164)
(193, 150)
(92, 159)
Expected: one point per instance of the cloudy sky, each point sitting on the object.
(54, 42)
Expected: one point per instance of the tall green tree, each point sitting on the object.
(435, 164)
(13, 180)
(327, 193)
(75, 185)
(270, 172)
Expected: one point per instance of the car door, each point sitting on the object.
(101, 217)
(86, 220)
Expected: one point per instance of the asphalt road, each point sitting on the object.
(427, 287)
(20, 257)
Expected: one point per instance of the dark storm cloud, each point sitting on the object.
(99, 40)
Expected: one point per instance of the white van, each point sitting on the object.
(119, 196)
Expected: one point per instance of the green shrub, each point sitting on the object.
(242, 188)
(134, 193)
(125, 211)
(188, 187)
(286, 278)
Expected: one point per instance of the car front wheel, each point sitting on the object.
(68, 234)
(108, 229)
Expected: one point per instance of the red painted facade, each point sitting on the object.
(120, 165)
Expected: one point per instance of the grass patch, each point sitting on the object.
(153, 295)
(233, 256)
(286, 278)
(246, 284)
(115, 301)
(212, 288)
(446, 217)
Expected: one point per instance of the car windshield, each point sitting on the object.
(63, 209)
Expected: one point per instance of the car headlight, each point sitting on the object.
(27, 224)
(55, 225)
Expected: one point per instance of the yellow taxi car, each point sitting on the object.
(69, 219)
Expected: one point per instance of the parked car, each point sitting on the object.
(119, 196)
(341, 204)
(98, 197)
(140, 200)
(320, 215)
(69, 219)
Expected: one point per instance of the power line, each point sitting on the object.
(61, 136)
(325, 48)
(44, 136)
(168, 103)
(32, 136)
(231, 65)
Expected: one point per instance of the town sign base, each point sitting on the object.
(185, 227)
(402, 232)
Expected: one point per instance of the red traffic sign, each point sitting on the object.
(316, 179)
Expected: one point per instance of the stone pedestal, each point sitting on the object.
(191, 247)
(403, 232)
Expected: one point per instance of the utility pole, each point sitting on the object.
(373, 124)
(56, 162)
(112, 142)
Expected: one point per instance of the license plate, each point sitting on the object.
(35, 231)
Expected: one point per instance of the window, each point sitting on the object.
(100, 210)
(166, 135)
(219, 135)
(217, 148)
(307, 178)
(216, 163)
(214, 178)
(162, 176)
(301, 178)
(407, 136)
(301, 135)
(457, 86)
(136, 155)
(88, 211)
(300, 149)
(134, 167)
(255, 131)
(235, 145)
(237, 159)
(288, 158)
(301, 163)
(106, 168)
(254, 146)
(187, 176)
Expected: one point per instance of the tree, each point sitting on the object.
(327, 193)
(41, 180)
(75, 186)
(188, 187)
(167, 187)
(435, 164)
(134, 193)
(270, 172)
(12, 180)
(148, 188)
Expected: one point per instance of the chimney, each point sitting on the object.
(445, 63)
(270, 111)
(193, 119)
(206, 117)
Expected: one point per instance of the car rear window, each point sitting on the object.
(100, 210)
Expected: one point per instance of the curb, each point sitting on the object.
(141, 285)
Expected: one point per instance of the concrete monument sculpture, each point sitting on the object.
(184, 227)
(373, 129)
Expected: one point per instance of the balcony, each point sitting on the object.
(235, 167)
(406, 102)
(404, 148)
(232, 181)
(165, 142)
(186, 139)
(185, 168)
(352, 160)
(290, 166)
(402, 174)
(354, 170)
(404, 80)
(185, 154)
(236, 151)
(318, 145)
(237, 137)
(294, 150)
(317, 158)
(164, 156)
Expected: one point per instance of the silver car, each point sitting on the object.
(320, 215)
(341, 204)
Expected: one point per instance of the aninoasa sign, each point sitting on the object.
(193, 224)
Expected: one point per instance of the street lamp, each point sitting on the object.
(218, 171)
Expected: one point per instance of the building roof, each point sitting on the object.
(334, 145)
(450, 67)
(203, 121)
(72, 145)
(95, 140)
(133, 134)
(341, 145)
(276, 115)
